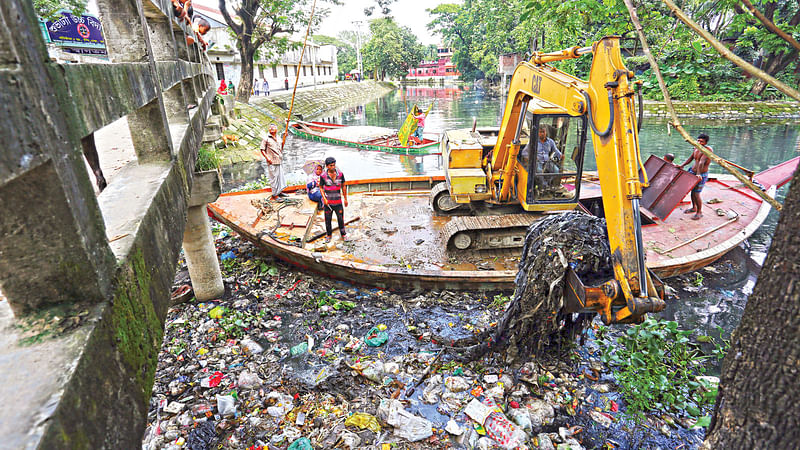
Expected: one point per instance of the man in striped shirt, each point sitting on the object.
(333, 195)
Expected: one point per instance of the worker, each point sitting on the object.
(223, 88)
(273, 154)
(699, 168)
(420, 117)
(333, 194)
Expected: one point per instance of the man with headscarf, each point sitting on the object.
(273, 154)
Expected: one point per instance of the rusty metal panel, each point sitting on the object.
(668, 186)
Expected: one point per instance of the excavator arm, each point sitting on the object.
(607, 98)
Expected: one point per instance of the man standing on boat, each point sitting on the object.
(420, 117)
(333, 194)
(273, 154)
(700, 168)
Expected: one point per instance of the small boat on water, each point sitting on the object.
(394, 237)
(362, 137)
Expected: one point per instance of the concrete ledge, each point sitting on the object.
(124, 87)
(206, 188)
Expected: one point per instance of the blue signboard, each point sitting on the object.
(76, 30)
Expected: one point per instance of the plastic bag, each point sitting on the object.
(376, 337)
(226, 405)
(301, 444)
(364, 421)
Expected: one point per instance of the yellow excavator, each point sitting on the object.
(507, 179)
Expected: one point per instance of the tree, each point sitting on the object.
(48, 9)
(774, 54)
(345, 49)
(392, 50)
(262, 27)
(758, 405)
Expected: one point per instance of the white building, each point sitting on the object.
(319, 61)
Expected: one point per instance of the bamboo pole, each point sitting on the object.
(676, 122)
(729, 55)
(297, 75)
(771, 26)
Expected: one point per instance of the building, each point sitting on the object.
(439, 69)
(507, 64)
(319, 61)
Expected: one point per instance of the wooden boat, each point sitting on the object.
(387, 142)
(393, 243)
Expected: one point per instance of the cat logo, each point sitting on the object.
(536, 85)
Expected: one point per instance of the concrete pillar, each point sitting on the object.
(198, 244)
(201, 255)
(127, 39)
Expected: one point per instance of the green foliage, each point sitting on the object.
(207, 158)
(499, 301)
(657, 368)
(345, 43)
(391, 50)
(48, 9)
(328, 298)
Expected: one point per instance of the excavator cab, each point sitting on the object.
(552, 160)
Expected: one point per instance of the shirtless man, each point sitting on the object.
(700, 168)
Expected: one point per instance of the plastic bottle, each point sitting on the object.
(502, 430)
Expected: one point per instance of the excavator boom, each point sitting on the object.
(543, 106)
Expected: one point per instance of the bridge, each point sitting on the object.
(86, 277)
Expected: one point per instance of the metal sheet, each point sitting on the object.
(668, 186)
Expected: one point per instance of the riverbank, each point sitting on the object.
(250, 120)
(747, 112)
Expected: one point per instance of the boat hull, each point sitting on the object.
(427, 148)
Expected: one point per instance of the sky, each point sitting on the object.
(408, 13)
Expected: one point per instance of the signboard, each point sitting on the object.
(72, 30)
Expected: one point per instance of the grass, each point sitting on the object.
(208, 158)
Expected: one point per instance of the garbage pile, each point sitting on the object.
(286, 360)
(534, 318)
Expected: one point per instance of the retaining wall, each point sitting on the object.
(252, 119)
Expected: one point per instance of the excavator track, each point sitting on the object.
(487, 232)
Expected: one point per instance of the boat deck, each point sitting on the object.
(390, 231)
(393, 235)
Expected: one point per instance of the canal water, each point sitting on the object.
(714, 298)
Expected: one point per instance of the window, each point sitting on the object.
(274, 71)
(285, 70)
(304, 70)
(220, 71)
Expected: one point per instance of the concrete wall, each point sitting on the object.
(87, 278)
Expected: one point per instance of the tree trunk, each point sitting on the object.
(775, 64)
(246, 82)
(759, 404)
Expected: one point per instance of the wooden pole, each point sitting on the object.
(297, 75)
(677, 123)
(704, 234)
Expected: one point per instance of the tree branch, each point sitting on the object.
(676, 122)
(223, 8)
(729, 55)
(771, 26)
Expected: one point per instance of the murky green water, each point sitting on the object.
(750, 145)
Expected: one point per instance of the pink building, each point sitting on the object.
(441, 69)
